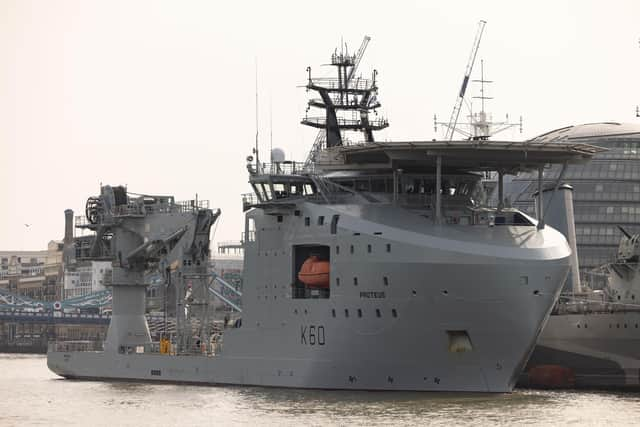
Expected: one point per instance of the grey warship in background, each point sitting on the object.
(374, 265)
(592, 339)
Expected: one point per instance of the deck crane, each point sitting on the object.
(453, 121)
(321, 137)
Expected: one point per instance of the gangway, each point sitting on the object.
(226, 284)
(225, 299)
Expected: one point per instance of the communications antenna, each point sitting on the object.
(344, 79)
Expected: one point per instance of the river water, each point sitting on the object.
(32, 395)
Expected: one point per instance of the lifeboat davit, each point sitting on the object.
(314, 273)
(552, 376)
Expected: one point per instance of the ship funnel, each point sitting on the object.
(68, 226)
(558, 213)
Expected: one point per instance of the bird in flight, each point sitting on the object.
(27, 225)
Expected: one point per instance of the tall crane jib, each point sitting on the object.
(453, 121)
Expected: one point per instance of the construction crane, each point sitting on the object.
(453, 121)
(359, 56)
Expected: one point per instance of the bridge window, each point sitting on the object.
(279, 191)
(266, 191)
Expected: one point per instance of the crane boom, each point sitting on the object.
(359, 56)
(453, 121)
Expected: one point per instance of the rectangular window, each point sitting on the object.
(388, 247)
(334, 224)
(346, 312)
(355, 281)
(378, 312)
(359, 313)
(337, 250)
(351, 248)
(321, 220)
(385, 280)
(369, 248)
(307, 221)
(394, 313)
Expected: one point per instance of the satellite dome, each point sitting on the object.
(277, 155)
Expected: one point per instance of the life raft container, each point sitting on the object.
(551, 376)
(314, 273)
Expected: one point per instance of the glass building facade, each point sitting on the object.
(606, 190)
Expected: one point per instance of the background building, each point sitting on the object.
(34, 274)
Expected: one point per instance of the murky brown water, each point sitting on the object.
(31, 395)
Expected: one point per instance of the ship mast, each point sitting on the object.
(341, 95)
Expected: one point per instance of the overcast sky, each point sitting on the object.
(160, 95)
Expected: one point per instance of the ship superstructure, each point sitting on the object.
(378, 267)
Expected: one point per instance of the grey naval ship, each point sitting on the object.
(592, 338)
(373, 265)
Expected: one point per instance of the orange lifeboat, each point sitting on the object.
(551, 376)
(314, 273)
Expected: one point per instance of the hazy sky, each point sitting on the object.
(159, 95)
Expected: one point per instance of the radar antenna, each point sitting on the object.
(341, 94)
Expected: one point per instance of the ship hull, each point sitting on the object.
(407, 352)
(411, 306)
(601, 350)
